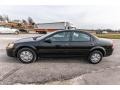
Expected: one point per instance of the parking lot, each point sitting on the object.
(58, 70)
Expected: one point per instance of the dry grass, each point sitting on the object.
(110, 36)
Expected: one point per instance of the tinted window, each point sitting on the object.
(62, 36)
(78, 36)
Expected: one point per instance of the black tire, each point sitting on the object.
(94, 61)
(39, 32)
(16, 32)
(42, 32)
(32, 52)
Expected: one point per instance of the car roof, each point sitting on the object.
(73, 31)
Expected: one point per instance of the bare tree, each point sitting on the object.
(24, 21)
(30, 21)
(7, 18)
(16, 21)
(1, 18)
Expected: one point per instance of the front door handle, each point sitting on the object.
(92, 44)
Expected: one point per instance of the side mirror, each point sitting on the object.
(48, 41)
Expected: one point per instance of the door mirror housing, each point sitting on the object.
(48, 41)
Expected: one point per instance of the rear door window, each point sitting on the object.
(80, 37)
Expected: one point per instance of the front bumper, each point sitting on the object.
(109, 52)
(10, 52)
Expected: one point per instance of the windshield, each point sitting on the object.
(43, 36)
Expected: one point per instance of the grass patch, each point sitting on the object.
(110, 36)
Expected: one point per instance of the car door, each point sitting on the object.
(56, 44)
(80, 43)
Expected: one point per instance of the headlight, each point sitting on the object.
(10, 45)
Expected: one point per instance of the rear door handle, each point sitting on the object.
(66, 44)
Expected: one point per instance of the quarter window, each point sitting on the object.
(77, 36)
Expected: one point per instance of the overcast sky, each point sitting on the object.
(85, 17)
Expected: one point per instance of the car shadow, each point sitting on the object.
(63, 60)
(51, 60)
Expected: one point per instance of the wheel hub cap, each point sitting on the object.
(95, 57)
(26, 56)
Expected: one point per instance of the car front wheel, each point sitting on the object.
(26, 55)
(95, 57)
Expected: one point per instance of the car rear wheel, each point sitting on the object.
(26, 55)
(16, 32)
(95, 57)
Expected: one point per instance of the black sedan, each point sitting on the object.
(61, 43)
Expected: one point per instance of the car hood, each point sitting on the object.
(29, 39)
